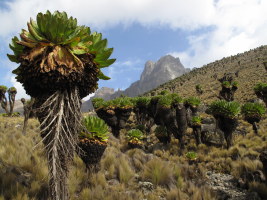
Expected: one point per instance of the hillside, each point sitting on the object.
(159, 172)
(248, 65)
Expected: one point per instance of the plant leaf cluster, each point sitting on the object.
(253, 110)
(60, 41)
(192, 101)
(196, 121)
(260, 88)
(225, 109)
(96, 128)
(135, 135)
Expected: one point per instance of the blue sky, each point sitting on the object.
(196, 31)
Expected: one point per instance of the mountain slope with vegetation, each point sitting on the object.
(248, 68)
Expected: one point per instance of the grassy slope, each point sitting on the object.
(249, 65)
(122, 169)
(165, 166)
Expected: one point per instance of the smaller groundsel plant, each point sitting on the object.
(196, 121)
(260, 88)
(96, 129)
(165, 101)
(191, 155)
(192, 101)
(97, 102)
(222, 108)
(135, 136)
(142, 101)
(253, 110)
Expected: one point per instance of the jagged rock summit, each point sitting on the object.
(153, 75)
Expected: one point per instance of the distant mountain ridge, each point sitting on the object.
(153, 75)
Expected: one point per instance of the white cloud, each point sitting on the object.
(103, 13)
(88, 97)
(216, 28)
(20, 90)
(238, 26)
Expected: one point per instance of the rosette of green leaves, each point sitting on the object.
(192, 101)
(226, 84)
(234, 84)
(3, 89)
(97, 102)
(253, 110)
(134, 135)
(196, 121)
(165, 101)
(191, 155)
(12, 90)
(176, 99)
(225, 109)
(161, 131)
(142, 101)
(60, 41)
(122, 102)
(95, 128)
(260, 88)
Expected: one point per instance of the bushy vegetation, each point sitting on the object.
(95, 128)
(225, 109)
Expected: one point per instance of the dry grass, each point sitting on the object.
(121, 169)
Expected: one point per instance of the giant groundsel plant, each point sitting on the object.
(60, 62)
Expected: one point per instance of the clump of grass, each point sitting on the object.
(243, 166)
(176, 194)
(158, 172)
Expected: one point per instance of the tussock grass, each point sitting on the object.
(159, 172)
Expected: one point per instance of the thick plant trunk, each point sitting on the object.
(181, 119)
(59, 115)
(197, 134)
(255, 128)
(229, 139)
(4, 104)
(228, 126)
(11, 98)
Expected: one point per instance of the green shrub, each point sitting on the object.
(226, 84)
(196, 121)
(96, 128)
(253, 110)
(260, 87)
(142, 101)
(3, 88)
(191, 155)
(134, 135)
(176, 99)
(193, 101)
(12, 89)
(122, 102)
(164, 92)
(225, 109)
(165, 101)
(97, 102)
